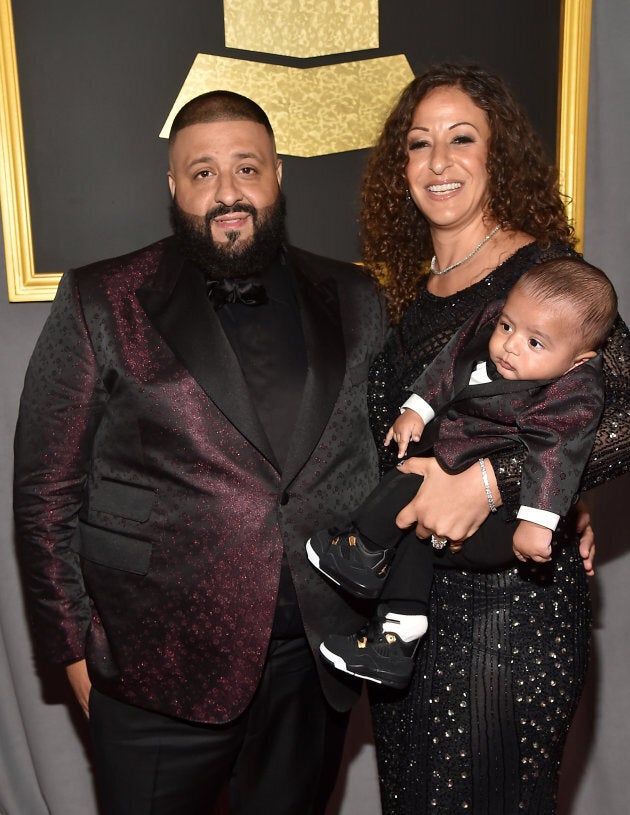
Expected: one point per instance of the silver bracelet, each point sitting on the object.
(486, 484)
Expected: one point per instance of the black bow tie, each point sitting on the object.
(245, 290)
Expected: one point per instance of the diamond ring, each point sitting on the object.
(438, 543)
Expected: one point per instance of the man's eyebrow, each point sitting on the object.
(207, 159)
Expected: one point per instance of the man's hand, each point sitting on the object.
(448, 506)
(407, 427)
(79, 680)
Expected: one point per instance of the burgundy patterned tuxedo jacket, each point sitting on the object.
(150, 515)
(553, 421)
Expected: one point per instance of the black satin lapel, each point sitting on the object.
(326, 355)
(182, 314)
(475, 350)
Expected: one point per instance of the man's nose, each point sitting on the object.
(227, 191)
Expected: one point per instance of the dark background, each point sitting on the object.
(98, 80)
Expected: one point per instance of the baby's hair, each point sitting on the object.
(584, 288)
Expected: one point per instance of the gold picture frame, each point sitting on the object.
(573, 82)
(25, 284)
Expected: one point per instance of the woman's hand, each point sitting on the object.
(587, 537)
(78, 677)
(448, 506)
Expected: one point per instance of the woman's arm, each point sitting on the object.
(455, 506)
(448, 506)
(610, 457)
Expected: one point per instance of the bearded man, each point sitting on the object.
(191, 412)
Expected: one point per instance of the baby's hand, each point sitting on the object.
(407, 427)
(532, 542)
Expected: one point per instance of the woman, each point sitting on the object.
(458, 201)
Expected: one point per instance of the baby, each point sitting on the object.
(526, 374)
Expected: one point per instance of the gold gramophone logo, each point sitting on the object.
(313, 110)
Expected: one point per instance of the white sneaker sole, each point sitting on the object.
(340, 665)
(313, 558)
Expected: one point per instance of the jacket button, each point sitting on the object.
(284, 499)
(452, 415)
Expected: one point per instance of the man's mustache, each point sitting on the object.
(222, 209)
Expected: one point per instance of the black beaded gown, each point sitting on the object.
(482, 726)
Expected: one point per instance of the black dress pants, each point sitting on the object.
(280, 756)
(408, 584)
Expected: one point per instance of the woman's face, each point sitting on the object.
(447, 150)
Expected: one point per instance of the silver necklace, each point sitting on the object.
(436, 271)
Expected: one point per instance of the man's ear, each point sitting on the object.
(279, 172)
(171, 183)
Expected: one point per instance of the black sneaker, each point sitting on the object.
(372, 654)
(343, 557)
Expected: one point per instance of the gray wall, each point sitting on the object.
(43, 768)
(43, 765)
(596, 760)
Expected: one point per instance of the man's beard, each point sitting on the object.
(235, 258)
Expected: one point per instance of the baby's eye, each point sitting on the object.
(505, 327)
(535, 343)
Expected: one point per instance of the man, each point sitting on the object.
(190, 412)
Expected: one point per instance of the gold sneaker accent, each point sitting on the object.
(362, 642)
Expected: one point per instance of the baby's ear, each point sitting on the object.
(584, 357)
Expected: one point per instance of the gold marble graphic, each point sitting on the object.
(301, 28)
(313, 111)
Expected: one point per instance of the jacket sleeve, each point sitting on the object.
(60, 408)
(610, 455)
(558, 430)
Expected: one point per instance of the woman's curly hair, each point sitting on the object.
(522, 184)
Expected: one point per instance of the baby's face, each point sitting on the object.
(534, 339)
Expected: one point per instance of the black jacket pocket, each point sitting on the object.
(121, 499)
(107, 548)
